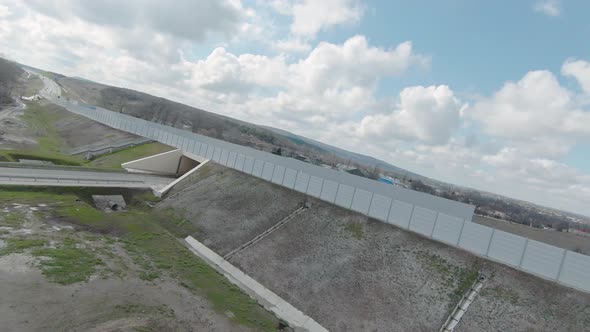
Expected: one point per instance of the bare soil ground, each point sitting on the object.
(76, 273)
(354, 274)
(223, 195)
(563, 240)
(31, 303)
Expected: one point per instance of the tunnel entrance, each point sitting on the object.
(172, 163)
(185, 165)
(175, 164)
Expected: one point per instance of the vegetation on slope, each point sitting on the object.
(115, 159)
(67, 263)
(458, 279)
(144, 235)
(42, 120)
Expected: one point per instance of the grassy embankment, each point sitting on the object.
(144, 233)
(31, 87)
(42, 121)
(115, 159)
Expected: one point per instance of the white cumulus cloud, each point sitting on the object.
(547, 7)
(186, 19)
(310, 16)
(292, 45)
(580, 70)
(266, 64)
(536, 112)
(426, 114)
(332, 79)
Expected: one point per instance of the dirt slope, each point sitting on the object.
(354, 274)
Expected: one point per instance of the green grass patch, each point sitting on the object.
(154, 249)
(32, 86)
(356, 230)
(166, 253)
(34, 154)
(115, 159)
(32, 195)
(455, 278)
(15, 245)
(11, 219)
(16, 194)
(67, 264)
(465, 279)
(41, 120)
(179, 227)
(136, 309)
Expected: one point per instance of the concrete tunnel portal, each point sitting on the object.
(175, 163)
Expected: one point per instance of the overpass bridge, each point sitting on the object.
(76, 177)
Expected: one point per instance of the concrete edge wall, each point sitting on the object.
(161, 192)
(281, 308)
(162, 163)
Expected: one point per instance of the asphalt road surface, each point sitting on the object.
(55, 177)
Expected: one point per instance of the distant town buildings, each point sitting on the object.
(386, 179)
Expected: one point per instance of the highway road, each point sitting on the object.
(75, 178)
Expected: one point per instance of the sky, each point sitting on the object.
(493, 95)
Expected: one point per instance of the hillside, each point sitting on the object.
(10, 74)
(352, 273)
(178, 115)
(270, 139)
(174, 114)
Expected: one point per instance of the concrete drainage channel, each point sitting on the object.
(267, 232)
(466, 300)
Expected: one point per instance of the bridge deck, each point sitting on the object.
(76, 177)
